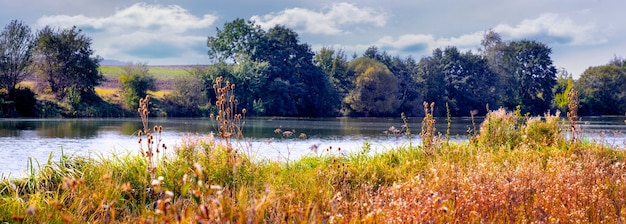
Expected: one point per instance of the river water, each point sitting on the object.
(39, 140)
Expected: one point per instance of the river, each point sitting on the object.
(44, 139)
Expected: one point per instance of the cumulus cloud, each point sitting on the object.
(133, 33)
(553, 28)
(424, 43)
(330, 21)
(547, 28)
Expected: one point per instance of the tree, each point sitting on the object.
(462, 80)
(16, 44)
(237, 38)
(375, 89)
(406, 71)
(603, 89)
(293, 85)
(534, 75)
(136, 81)
(188, 96)
(525, 71)
(341, 79)
(64, 59)
(562, 89)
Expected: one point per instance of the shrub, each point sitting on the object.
(499, 129)
(547, 132)
(188, 97)
(136, 81)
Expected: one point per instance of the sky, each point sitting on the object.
(581, 33)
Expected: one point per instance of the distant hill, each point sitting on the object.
(109, 62)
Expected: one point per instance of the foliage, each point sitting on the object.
(464, 81)
(562, 89)
(64, 58)
(293, 85)
(188, 96)
(407, 72)
(603, 89)
(527, 76)
(375, 89)
(500, 129)
(20, 102)
(336, 67)
(136, 81)
(16, 44)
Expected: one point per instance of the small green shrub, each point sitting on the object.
(543, 132)
(500, 128)
(136, 81)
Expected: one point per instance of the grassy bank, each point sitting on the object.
(517, 170)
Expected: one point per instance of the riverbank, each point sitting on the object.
(514, 171)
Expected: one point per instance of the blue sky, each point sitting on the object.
(581, 33)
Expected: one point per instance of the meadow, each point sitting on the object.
(514, 169)
(164, 76)
(159, 72)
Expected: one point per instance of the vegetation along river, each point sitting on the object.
(38, 140)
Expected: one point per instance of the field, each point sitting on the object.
(159, 72)
(164, 75)
(517, 170)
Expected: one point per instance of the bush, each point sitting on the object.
(538, 132)
(499, 129)
(19, 103)
(188, 97)
(136, 81)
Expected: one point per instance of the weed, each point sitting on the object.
(152, 140)
(428, 134)
(572, 115)
(405, 125)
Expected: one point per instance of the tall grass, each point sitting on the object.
(517, 170)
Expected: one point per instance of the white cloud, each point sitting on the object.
(125, 33)
(140, 16)
(329, 22)
(553, 28)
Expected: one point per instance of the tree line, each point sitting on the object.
(278, 75)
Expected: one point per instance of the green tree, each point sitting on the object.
(603, 89)
(564, 85)
(462, 80)
(375, 89)
(406, 71)
(136, 82)
(336, 67)
(16, 44)
(64, 58)
(431, 77)
(235, 39)
(293, 85)
(525, 70)
(188, 96)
